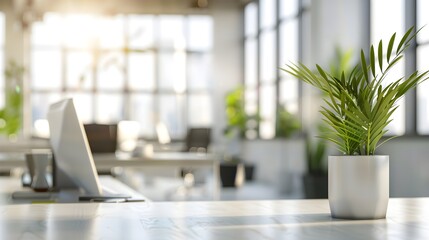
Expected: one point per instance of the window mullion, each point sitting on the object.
(410, 67)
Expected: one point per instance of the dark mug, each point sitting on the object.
(38, 164)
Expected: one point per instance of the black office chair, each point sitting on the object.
(102, 138)
(198, 139)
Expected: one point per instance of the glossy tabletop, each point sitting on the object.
(288, 219)
(10, 185)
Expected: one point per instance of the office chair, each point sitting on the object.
(198, 139)
(102, 138)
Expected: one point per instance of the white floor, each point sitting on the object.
(167, 188)
(159, 185)
(256, 191)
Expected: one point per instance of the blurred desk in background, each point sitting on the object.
(192, 160)
(105, 162)
(177, 159)
(24, 145)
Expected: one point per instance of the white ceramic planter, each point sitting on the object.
(358, 186)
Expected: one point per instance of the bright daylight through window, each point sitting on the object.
(270, 43)
(2, 64)
(383, 24)
(147, 68)
(422, 63)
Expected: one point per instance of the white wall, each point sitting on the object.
(279, 162)
(409, 166)
(337, 23)
(282, 163)
(227, 72)
(333, 24)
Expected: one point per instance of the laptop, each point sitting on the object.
(74, 164)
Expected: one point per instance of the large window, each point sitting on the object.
(271, 40)
(289, 52)
(402, 15)
(422, 52)
(147, 68)
(267, 67)
(251, 62)
(2, 62)
(383, 25)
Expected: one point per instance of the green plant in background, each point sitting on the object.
(341, 63)
(359, 105)
(287, 123)
(315, 150)
(237, 118)
(11, 114)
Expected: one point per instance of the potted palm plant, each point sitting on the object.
(359, 106)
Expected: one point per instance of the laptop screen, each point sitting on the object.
(70, 147)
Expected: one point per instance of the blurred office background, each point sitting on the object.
(159, 68)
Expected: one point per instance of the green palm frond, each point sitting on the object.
(359, 105)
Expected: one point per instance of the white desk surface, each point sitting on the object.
(8, 185)
(288, 219)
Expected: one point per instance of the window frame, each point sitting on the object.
(124, 91)
(410, 61)
(279, 20)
